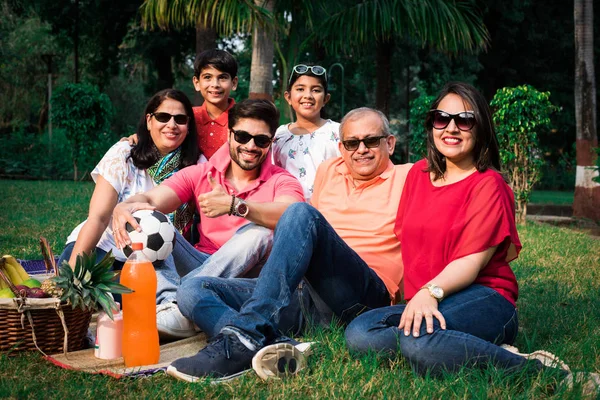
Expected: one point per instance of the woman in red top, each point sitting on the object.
(457, 228)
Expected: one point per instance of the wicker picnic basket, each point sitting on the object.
(46, 325)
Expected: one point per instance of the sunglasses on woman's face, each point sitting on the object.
(302, 69)
(180, 119)
(464, 120)
(243, 137)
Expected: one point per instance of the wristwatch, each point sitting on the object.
(241, 208)
(435, 291)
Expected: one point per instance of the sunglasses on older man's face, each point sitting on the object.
(163, 117)
(302, 69)
(243, 137)
(464, 120)
(370, 141)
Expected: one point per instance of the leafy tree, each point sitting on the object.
(84, 113)
(520, 113)
(23, 74)
(419, 108)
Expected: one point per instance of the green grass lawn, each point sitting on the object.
(551, 197)
(559, 307)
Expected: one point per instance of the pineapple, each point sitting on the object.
(88, 285)
(50, 288)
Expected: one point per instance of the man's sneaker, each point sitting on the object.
(546, 358)
(279, 360)
(223, 359)
(172, 324)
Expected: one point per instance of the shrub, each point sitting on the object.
(520, 113)
(84, 113)
(419, 108)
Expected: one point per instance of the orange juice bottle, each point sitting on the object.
(140, 336)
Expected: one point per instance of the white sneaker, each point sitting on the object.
(589, 382)
(281, 359)
(172, 324)
(546, 358)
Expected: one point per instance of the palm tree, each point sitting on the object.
(337, 24)
(223, 17)
(586, 202)
(445, 25)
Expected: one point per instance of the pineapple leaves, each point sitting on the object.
(89, 284)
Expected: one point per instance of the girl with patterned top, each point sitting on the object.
(167, 143)
(301, 146)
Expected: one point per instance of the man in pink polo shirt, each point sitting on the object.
(344, 245)
(240, 195)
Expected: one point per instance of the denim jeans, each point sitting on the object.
(478, 320)
(305, 245)
(246, 249)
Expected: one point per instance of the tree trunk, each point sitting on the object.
(384, 75)
(261, 71)
(206, 39)
(586, 202)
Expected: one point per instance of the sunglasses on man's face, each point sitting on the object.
(180, 119)
(464, 120)
(302, 69)
(370, 141)
(243, 137)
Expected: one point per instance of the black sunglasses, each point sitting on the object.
(180, 119)
(370, 141)
(243, 137)
(464, 120)
(301, 69)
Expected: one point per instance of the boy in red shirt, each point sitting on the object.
(215, 76)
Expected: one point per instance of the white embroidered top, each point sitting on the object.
(127, 180)
(301, 155)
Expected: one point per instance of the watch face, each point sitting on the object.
(437, 292)
(242, 209)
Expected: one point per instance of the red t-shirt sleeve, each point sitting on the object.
(489, 221)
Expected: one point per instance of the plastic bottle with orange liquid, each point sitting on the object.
(140, 336)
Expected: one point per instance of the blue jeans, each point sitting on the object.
(246, 249)
(478, 320)
(305, 245)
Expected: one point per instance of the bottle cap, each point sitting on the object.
(137, 246)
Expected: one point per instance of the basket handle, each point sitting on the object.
(48, 256)
(6, 279)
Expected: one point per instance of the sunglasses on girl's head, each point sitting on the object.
(301, 69)
(180, 119)
(243, 137)
(464, 120)
(371, 142)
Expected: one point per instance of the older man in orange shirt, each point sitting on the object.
(344, 245)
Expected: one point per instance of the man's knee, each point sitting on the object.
(191, 292)
(298, 212)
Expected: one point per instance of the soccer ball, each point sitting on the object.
(157, 235)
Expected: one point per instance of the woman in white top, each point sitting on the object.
(301, 146)
(167, 143)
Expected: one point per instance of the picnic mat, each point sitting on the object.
(84, 360)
